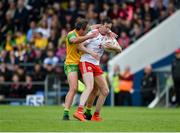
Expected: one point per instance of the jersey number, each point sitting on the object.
(100, 46)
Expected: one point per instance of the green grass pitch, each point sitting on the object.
(49, 118)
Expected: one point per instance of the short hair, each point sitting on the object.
(81, 24)
(106, 20)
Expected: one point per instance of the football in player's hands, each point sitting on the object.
(110, 44)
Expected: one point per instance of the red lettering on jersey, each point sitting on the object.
(100, 46)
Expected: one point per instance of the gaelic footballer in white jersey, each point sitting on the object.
(97, 45)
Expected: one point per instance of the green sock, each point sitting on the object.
(88, 111)
(66, 112)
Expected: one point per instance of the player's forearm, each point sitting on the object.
(117, 49)
(81, 39)
(96, 26)
(82, 48)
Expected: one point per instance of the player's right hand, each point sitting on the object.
(94, 34)
(95, 55)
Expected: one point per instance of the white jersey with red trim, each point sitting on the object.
(94, 44)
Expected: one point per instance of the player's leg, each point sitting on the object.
(72, 76)
(90, 101)
(104, 91)
(88, 78)
(72, 80)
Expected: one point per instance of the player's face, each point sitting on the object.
(84, 32)
(106, 27)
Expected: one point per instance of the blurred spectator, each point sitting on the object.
(104, 59)
(114, 12)
(3, 88)
(61, 49)
(91, 15)
(55, 24)
(9, 42)
(21, 16)
(62, 38)
(147, 11)
(20, 39)
(36, 8)
(15, 87)
(21, 74)
(43, 28)
(105, 11)
(82, 9)
(126, 87)
(39, 41)
(2, 12)
(12, 59)
(54, 38)
(3, 55)
(147, 25)
(170, 8)
(28, 87)
(123, 40)
(176, 75)
(31, 30)
(7, 24)
(148, 86)
(136, 31)
(50, 61)
(61, 52)
(37, 56)
(126, 12)
(5, 72)
(38, 74)
(12, 8)
(115, 85)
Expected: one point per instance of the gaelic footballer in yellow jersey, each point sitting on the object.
(74, 37)
(73, 55)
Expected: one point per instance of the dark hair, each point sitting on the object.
(81, 24)
(106, 20)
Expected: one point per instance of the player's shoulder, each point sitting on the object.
(70, 33)
(94, 30)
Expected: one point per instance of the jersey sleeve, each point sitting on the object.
(71, 36)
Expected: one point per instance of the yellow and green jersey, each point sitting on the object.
(72, 53)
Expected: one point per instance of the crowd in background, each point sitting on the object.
(32, 34)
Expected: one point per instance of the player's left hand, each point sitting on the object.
(108, 46)
(113, 35)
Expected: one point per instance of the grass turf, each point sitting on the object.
(49, 118)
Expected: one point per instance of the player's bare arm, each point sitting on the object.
(116, 48)
(110, 33)
(95, 26)
(81, 47)
(81, 39)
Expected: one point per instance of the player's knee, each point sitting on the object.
(73, 89)
(106, 92)
(94, 92)
(89, 87)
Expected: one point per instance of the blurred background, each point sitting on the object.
(32, 50)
